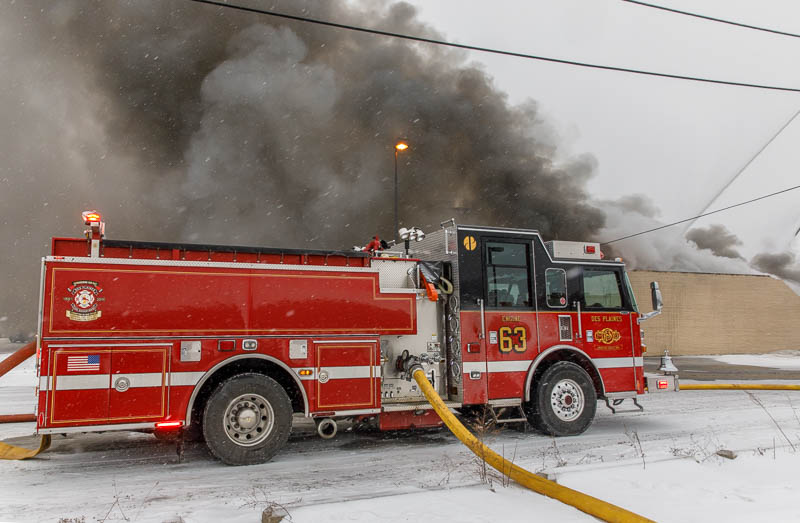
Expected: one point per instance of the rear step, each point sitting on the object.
(618, 401)
(498, 415)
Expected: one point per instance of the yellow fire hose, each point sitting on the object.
(11, 452)
(738, 386)
(583, 502)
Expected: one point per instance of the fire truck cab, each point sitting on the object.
(230, 342)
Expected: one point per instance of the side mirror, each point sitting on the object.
(655, 294)
(658, 303)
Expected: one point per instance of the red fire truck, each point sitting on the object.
(234, 341)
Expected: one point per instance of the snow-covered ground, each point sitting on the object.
(661, 463)
(787, 360)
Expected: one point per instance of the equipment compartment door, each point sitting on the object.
(348, 374)
(138, 383)
(79, 386)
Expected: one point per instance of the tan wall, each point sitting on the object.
(718, 313)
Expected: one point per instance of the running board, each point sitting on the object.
(618, 401)
(517, 417)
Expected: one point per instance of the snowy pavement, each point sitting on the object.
(660, 463)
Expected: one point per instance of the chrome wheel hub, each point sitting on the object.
(567, 400)
(248, 420)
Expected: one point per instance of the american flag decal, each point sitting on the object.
(89, 362)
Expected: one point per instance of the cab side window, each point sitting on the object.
(507, 281)
(601, 289)
(556, 288)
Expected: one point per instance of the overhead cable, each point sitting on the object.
(491, 50)
(712, 19)
(704, 214)
(750, 161)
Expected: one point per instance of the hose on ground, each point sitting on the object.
(738, 386)
(583, 502)
(12, 452)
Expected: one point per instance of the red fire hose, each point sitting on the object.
(22, 354)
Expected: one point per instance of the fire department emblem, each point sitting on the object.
(607, 336)
(83, 300)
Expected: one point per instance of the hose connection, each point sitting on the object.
(406, 364)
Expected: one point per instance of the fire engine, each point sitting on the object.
(234, 341)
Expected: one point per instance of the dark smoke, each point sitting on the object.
(783, 265)
(717, 239)
(186, 122)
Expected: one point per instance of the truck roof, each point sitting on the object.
(209, 252)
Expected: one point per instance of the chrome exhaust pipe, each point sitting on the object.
(327, 428)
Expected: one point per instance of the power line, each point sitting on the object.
(491, 50)
(711, 18)
(705, 214)
(750, 161)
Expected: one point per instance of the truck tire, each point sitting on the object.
(247, 419)
(564, 402)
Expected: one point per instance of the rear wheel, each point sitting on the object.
(247, 419)
(564, 402)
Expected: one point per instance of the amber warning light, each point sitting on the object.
(91, 217)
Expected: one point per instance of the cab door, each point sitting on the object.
(607, 322)
(510, 315)
(499, 322)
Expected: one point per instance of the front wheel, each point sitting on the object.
(564, 402)
(247, 419)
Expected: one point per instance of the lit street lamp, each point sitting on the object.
(400, 146)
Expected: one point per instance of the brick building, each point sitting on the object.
(718, 313)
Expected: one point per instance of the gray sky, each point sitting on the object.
(177, 120)
(677, 142)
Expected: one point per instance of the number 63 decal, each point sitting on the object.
(507, 335)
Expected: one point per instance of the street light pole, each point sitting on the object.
(396, 227)
(400, 146)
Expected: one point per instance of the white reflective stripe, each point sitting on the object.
(181, 379)
(509, 366)
(90, 381)
(474, 366)
(614, 363)
(352, 372)
(104, 381)
(523, 366)
(145, 379)
(497, 366)
(184, 379)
